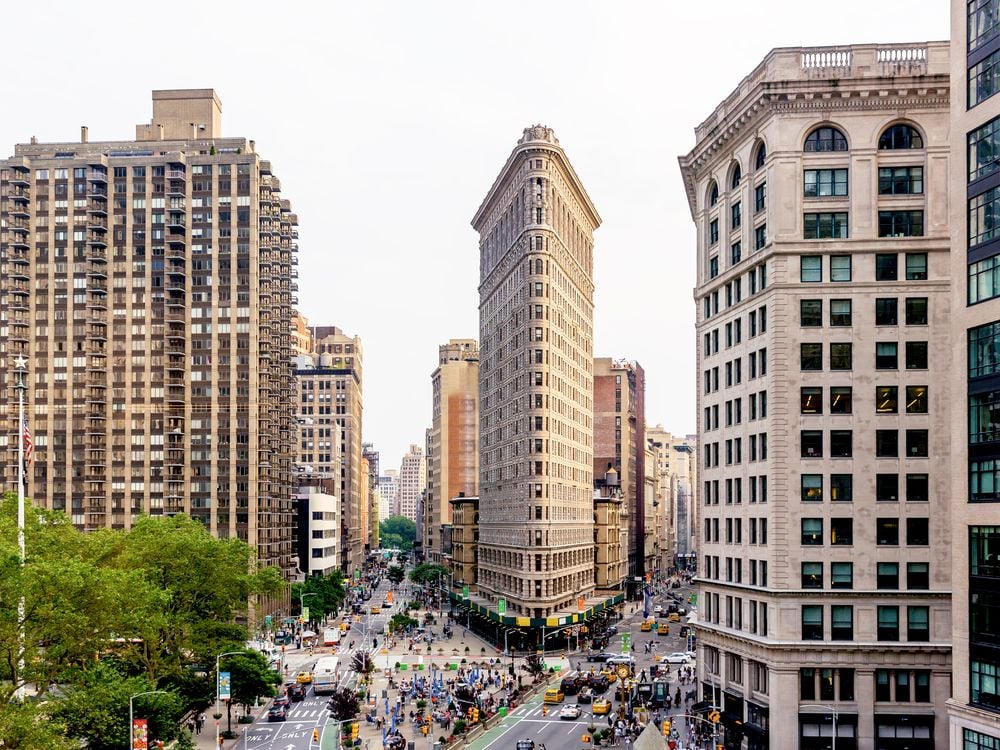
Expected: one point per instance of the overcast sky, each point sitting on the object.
(388, 121)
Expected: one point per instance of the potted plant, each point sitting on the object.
(421, 704)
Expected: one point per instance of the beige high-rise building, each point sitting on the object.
(677, 487)
(536, 311)
(150, 284)
(301, 334)
(330, 421)
(388, 491)
(412, 481)
(819, 191)
(975, 374)
(453, 440)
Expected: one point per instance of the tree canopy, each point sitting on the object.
(396, 573)
(329, 593)
(428, 573)
(397, 532)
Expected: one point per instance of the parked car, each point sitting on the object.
(277, 713)
(677, 657)
(586, 695)
(572, 711)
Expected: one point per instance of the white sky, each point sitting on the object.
(388, 121)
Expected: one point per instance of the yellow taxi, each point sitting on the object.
(304, 678)
(647, 626)
(554, 695)
(663, 629)
(344, 627)
(601, 706)
(609, 672)
(674, 617)
(376, 610)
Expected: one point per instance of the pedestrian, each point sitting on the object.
(200, 723)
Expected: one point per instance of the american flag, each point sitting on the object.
(29, 446)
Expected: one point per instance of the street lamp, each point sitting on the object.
(131, 736)
(834, 713)
(20, 365)
(218, 713)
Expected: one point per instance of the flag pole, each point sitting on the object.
(20, 364)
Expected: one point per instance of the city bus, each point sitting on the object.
(325, 675)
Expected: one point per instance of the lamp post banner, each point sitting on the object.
(140, 734)
(225, 686)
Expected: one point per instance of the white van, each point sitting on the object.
(331, 636)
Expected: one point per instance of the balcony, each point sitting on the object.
(98, 238)
(98, 175)
(18, 287)
(98, 333)
(177, 174)
(19, 210)
(95, 190)
(176, 283)
(97, 284)
(96, 222)
(19, 194)
(98, 269)
(20, 178)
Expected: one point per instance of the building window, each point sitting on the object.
(841, 356)
(916, 399)
(916, 355)
(887, 532)
(917, 532)
(888, 623)
(841, 398)
(984, 683)
(735, 253)
(735, 215)
(984, 349)
(713, 268)
(841, 623)
(886, 267)
(811, 268)
(916, 266)
(820, 183)
(918, 576)
(886, 355)
(841, 488)
(900, 137)
(812, 531)
(841, 443)
(840, 312)
(984, 417)
(842, 575)
(917, 443)
(886, 311)
(812, 443)
(713, 194)
(810, 312)
(900, 180)
(916, 311)
(887, 488)
(713, 231)
(842, 531)
(984, 24)
(760, 197)
(811, 356)
(825, 226)
(812, 622)
(840, 268)
(811, 400)
(973, 740)
(984, 216)
(918, 624)
(886, 444)
(984, 279)
(900, 223)
(984, 150)
(825, 139)
(812, 488)
(887, 575)
(984, 551)
(759, 157)
(984, 79)
(760, 237)
(734, 181)
(812, 575)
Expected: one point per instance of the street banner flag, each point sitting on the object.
(225, 687)
(465, 592)
(140, 734)
(501, 606)
(581, 603)
(305, 614)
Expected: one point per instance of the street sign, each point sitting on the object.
(357, 575)
(626, 642)
(501, 606)
(465, 592)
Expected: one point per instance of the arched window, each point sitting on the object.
(900, 136)
(713, 194)
(737, 176)
(758, 162)
(826, 139)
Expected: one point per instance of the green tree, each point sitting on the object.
(329, 591)
(534, 665)
(30, 725)
(428, 573)
(397, 532)
(251, 678)
(344, 704)
(396, 573)
(95, 710)
(399, 622)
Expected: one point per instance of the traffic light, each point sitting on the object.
(354, 730)
(316, 735)
(666, 728)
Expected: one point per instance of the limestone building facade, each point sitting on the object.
(819, 191)
(412, 481)
(536, 228)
